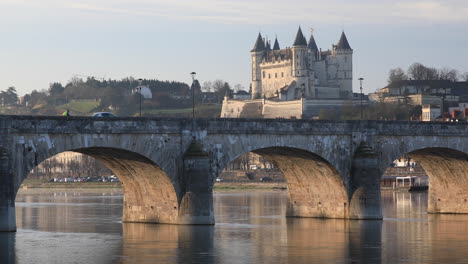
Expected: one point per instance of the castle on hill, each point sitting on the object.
(301, 81)
(303, 70)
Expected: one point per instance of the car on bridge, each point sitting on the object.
(103, 114)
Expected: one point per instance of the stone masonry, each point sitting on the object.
(168, 166)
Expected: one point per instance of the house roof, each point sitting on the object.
(274, 55)
(430, 83)
(242, 92)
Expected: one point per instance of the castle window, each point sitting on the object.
(282, 74)
(269, 76)
(263, 74)
(276, 75)
(297, 72)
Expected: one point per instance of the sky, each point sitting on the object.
(44, 41)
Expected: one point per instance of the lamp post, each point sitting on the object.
(139, 92)
(193, 94)
(360, 81)
(193, 102)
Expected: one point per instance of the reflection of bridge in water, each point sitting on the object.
(332, 168)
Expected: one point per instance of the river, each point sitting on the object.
(84, 226)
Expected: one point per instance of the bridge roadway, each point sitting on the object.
(168, 166)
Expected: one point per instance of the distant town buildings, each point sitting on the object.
(440, 100)
(430, 112)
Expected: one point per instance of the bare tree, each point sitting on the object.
(207, 86)
(238, 87)
(396, 74)
(464, 76)
(244, 161)
(448, 74)
(417, 71)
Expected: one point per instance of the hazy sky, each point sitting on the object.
(44, 41)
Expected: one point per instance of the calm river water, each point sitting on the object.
(85, 227)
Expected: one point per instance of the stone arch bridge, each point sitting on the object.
(168, 166)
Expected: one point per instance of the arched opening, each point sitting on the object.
(315, 188)
(442, 170)
(149, 194)
(448, 173)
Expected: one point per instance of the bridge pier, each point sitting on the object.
(365, 200)
(7, 215)
(196, 206)
(7, 195)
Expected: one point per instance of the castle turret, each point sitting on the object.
(267, 46)
(344, 56)
(313, 47)
(299, 66)
(257, 54)
(276, 46)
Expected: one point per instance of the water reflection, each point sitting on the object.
(149, 243)
(251, 228)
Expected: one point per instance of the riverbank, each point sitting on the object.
(219, 186)
(30, 184)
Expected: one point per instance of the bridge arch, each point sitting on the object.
(150, 192)
(447, 169)
(315, 187)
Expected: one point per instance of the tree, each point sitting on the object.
(396, 74)
(448, 74)
(418, 72)
(221, 88)
(9, 97)
(207, 86)
(465, 76)
(56, 88)
(238, 87)
(38, 98)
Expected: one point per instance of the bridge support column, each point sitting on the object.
(196, 206)
(7, 215)
(7, 195)
(365, 200)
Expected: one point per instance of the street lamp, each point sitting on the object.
(193, 101)
(360, 81)
(193, 94)
(139, 91)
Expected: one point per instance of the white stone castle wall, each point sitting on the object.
(282, 109)
(241, 108)
(275, 76)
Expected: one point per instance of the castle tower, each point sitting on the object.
(299, 66)
(257, 54)
(344, 56)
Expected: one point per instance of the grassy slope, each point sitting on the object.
(84, 108)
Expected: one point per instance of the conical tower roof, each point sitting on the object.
(312, 44)
(276, 45)
(259, 44)
(267, 45)
(300, 39)
(343, 42)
